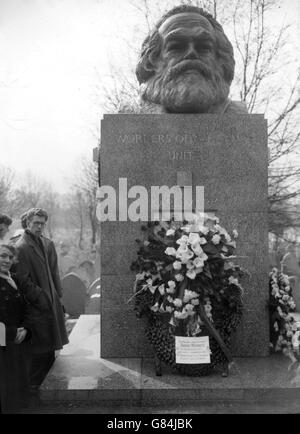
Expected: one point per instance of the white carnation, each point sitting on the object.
(170, 232)
(194, 238)
(170, 251)
(216, 239)
(177, 302)
(191, 274)
(179, 277)
(177, 265)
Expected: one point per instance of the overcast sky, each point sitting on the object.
(52, 53)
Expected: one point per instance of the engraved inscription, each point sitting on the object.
(184, 155)
(162, 139)
(180, 155)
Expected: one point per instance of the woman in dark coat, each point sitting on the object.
(13, 336)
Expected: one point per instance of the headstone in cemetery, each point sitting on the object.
(94, 287)
(86, 271)
(93, 306)
(74, 295)
(94, 299)
(187, 133)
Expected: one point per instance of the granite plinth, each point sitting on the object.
(80, 375)
(228, 156)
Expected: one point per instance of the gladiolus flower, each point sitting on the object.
(191, 274)
(189, 265)
(152, 289)
(177, 265)
(161, 289)
(188, 295)
(180, 315)
(216, 239)
(194, 238)
(177, 302)
(189, 306)
(197, 249)
(198, 262)
(179, 277)
(227, 238)
(183, 240)
(235, 233)
(155, 307)
(170, 290)
(233, 281)
(170, 232)
(195, 301)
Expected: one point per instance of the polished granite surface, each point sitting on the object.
(79, 374)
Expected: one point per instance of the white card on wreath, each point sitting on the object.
(192, 350)
(2, 335)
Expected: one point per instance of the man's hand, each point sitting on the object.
(21, 335)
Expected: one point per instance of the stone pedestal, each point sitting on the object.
(228, 156)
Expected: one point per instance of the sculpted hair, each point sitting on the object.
(35, 212)
(152, 45)
(4, 219)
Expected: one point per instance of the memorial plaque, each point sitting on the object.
(192, 350)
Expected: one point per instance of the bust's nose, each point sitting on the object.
(191, 52)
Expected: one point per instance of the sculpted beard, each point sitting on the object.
(188, 87)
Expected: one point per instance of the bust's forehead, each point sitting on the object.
(185, 20)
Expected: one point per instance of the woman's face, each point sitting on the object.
(6, 259)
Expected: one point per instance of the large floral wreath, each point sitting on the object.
(187, 285)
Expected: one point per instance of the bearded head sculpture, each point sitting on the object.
(186, 63)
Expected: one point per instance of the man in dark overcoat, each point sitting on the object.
(37, 262)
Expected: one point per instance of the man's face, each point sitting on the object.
(36, 225)
(6, 259)
(3, 230)
(189, 76)
(187, 36)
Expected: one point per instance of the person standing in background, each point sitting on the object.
(14, 335)
(19, 232)
(37, 262)
(5, 222)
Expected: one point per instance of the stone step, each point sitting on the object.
(80, 375)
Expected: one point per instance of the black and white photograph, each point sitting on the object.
(150, 209)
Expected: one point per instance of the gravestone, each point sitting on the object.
(86, 271)
(94, 298)
(225, 154)
(94, 287)
(74, 295)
